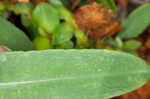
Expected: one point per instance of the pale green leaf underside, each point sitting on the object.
(70, 74)
(137, 22)
(12, 37)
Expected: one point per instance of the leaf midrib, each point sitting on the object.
(68, 78)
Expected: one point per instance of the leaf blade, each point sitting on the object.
(136, 22)
(65, 74)
(13, 38)
(46, 16)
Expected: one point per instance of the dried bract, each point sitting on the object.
(97, 21)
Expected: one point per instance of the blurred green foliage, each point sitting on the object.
(52, 25)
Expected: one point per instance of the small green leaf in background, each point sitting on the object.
(42, 43)
(56, 2)
(66, 3)
(25, 20)
(116, 43)
(2, 8)
(46, 16)
(136, 22)
(119, 42)
(65, 45)
(13, 38)
(70, 74)
(110, 3)
(110, 41)
(68, 18)
(66, 15)
(131, 44)
(82, 3)
(21, 8)
(62, 33)
(82, 41)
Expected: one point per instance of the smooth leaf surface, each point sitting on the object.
(46, 16)
(12, 37)
(70, 74)
(137, 22)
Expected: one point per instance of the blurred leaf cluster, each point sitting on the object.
(52, 26)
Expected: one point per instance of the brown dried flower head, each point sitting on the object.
(97, 21)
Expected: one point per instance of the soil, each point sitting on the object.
(144, 50)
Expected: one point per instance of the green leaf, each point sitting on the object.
(119, 42)
(46, 17)
(70, 74)
(56, 2)
(110, 41)
(12, 37)
(132, 44)
(82, 41)
(66, 3)
(66, 15)
(2, 6)
(25, 20)
(62, 33)
(110, 3)
(2, 9)
(21, 8)
(137, 22)
(42, 43)
(66, 45)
